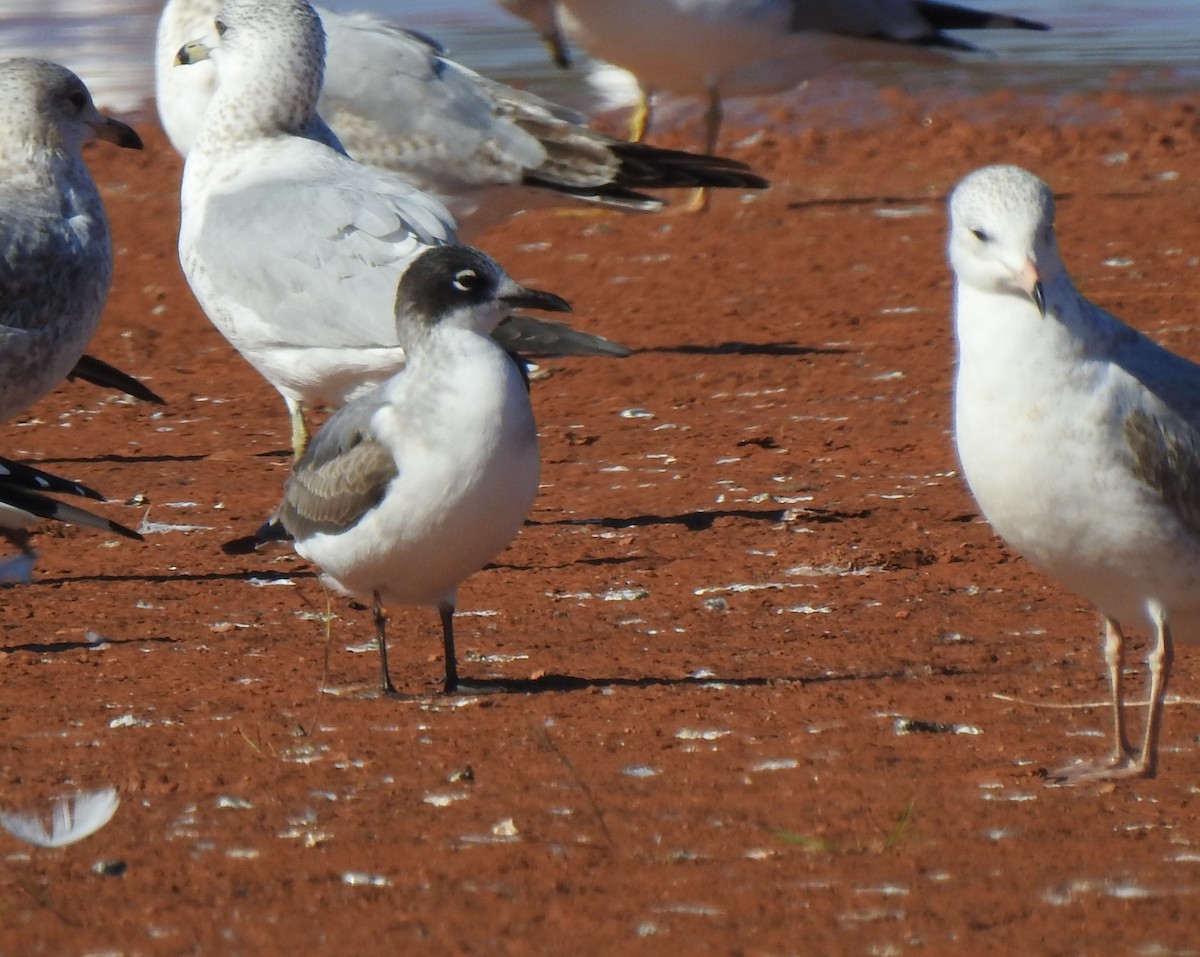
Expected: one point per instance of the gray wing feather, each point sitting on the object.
(397, 102)
(361, 229)
(1171, 379)
(342, 476)
(1166, 456)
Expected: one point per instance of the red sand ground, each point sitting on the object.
(751, 558)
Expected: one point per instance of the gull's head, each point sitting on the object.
(460, 287)
(46, 106)
(1002, 233)
(270, 58)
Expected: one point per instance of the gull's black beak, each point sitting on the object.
(521, 298)
(1038, 295)
(118, 133)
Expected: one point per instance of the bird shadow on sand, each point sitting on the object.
(120, 459)
(742, 349)
(248, 577)
(564, 683)
(704, 519)
(61, 647)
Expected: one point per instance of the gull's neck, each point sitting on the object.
(250, 105)
(419, 338)
(999, 330)
(33, 165)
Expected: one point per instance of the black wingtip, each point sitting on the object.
(951, 16)
(40, 506)
(652, 167)
(531, 336)
(98, 372)
(120, 529)
(17, 475)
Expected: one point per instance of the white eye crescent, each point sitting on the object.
(465, 280)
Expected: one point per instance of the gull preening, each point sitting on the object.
(486, 150)
(54, 237)
(727, 48)
(292, 248)
(1079, 438)
(412, 488)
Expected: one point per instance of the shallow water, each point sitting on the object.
(1147, 45)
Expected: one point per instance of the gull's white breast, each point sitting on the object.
(1039, 425)
(462, 432)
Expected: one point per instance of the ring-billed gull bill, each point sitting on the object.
(292, 248)
(397, 101)
(412, 488)
(55, 250)
(1079, 437)
(24, 498)
(727, 48)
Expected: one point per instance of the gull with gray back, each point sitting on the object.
(292, 248)
(55, 249)
(408, 490)
(1079, 438)
(398, 102)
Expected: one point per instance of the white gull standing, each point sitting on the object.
(1079, 438)
(413, 487)
(292, 248)
(726, 48)
(397, 101)
(55, 249)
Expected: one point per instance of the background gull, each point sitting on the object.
(55, 250)
(1079, 437)
(24, 498)
(396, 101)
(292, 248)
(412, 488)
(723, 48)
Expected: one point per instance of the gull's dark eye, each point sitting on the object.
(221, 28)
(981, 235)
(78, 99)
(466, 280)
